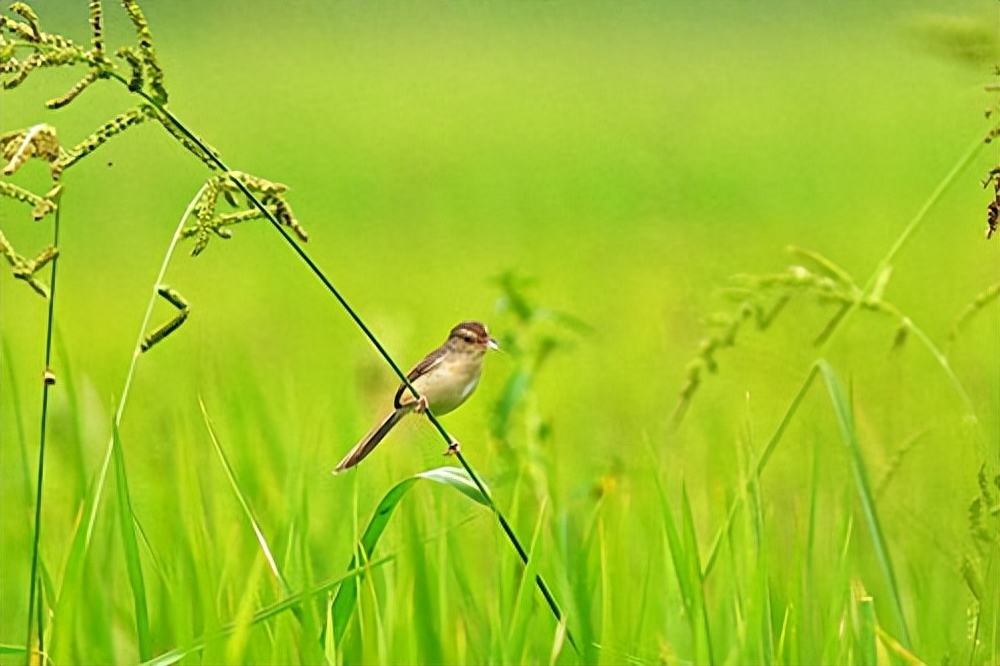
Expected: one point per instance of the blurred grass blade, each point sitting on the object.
(131, 547)
(690, 540)
(520, 620)
(241, 497)
(347, 595)
(511, 396)
(683, 548)
(11, 649)
(866, 631)
(892, 646)
(266, 613)
(845, 420)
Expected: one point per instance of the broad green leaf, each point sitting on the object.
(347, 595)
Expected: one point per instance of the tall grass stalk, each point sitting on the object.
(130, 375)
(905, 235)
(211, 155)
(48, 379)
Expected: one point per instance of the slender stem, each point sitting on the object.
(136, 352)
(47, 380)
(833, 331)
(364, 329)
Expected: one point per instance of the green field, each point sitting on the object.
(627, 158)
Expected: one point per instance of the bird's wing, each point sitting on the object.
(432, 360)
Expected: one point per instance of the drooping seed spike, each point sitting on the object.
(18, 29)
(97, 28)
(29, 15)
(75, 91)
(163, 331)
(173, 297)
(25, 269)
(153, 70)
(98, 138)
(134, 61)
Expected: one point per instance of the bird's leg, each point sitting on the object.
(421, 406)
(453, 448)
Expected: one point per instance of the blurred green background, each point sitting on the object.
(629, 157)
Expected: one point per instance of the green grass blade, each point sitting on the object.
(521, 617)
(845, 420)
(241, 497)
(347, 595)
(131, 546)
(266, 613)
(866, 631)
(690, 544)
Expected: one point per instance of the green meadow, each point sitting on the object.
(614, 188)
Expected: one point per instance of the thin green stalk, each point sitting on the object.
(550, 600)
(48, 380)
(836, 327)
(136, 352)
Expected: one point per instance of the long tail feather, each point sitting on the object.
(371, 440)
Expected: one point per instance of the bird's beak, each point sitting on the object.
(492, 344)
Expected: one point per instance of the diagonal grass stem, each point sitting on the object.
(831, 334)
(48, 379)
(217, 161)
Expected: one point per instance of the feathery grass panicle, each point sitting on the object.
(208, 220)
(147, 53)
(977, 305)
(761, 298)
(38, 141)
(993, 208)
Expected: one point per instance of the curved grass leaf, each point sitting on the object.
(845, 419)
(131, 547)
(347, 595)
(241, 497)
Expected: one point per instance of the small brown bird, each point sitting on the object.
(445, 379)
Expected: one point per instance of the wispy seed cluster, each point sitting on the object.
(25, 269)
(209, 221)
(25, 47)
(761, 298)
